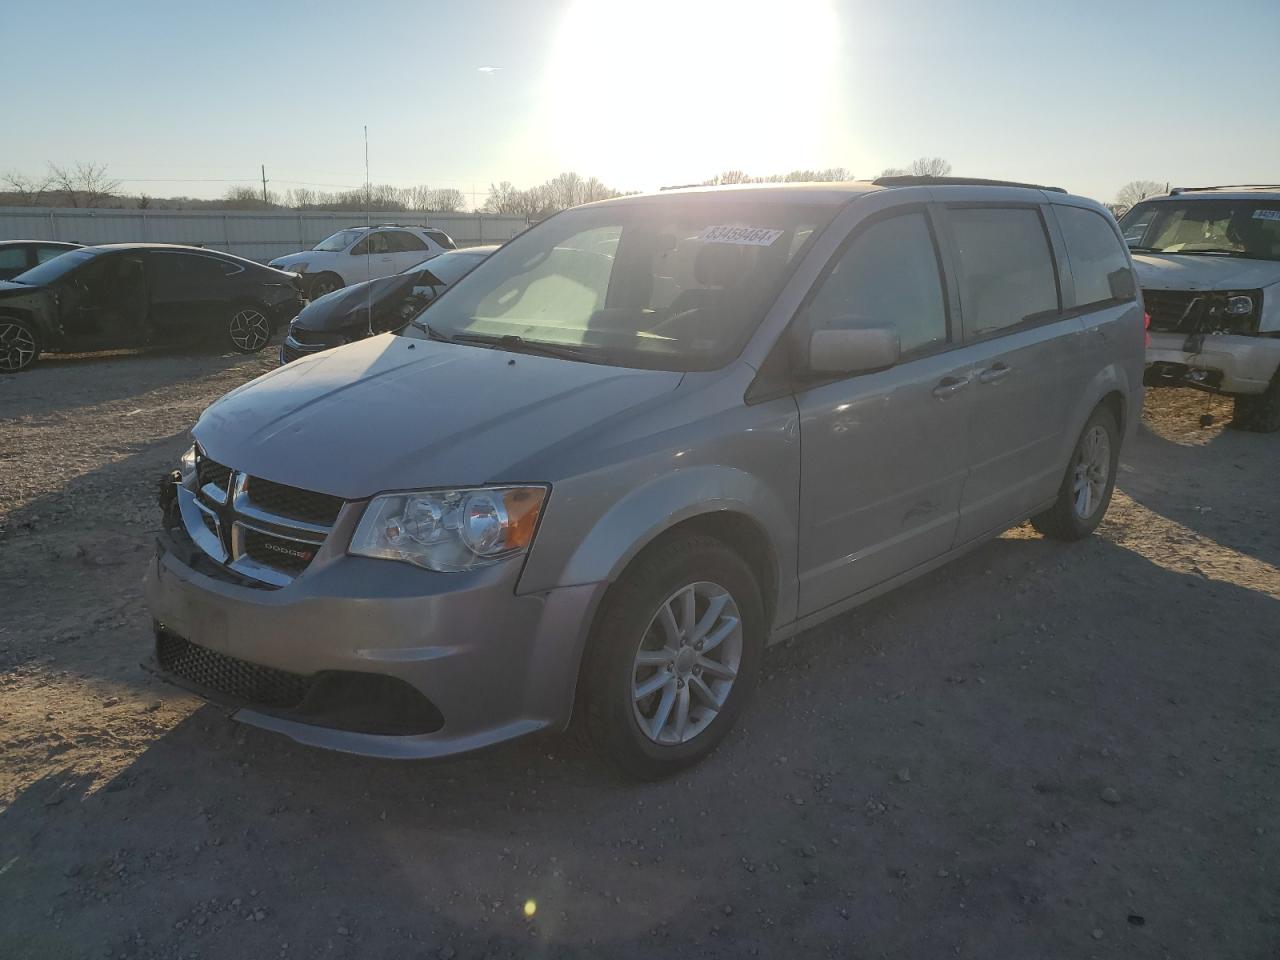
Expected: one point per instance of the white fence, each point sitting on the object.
(256, 235)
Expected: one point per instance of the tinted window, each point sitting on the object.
(887, 277)
(443, 239)
(373, 244)
(1098, 262)
(48, 253)
(12, 258)
(1006, 267)
(404, 242)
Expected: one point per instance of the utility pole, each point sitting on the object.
(264, 184)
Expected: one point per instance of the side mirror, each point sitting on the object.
(855, 350)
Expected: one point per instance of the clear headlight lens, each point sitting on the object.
(1239, 306)
(187, 467)
(450, 530)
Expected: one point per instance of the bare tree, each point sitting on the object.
(895, 172)
(29, 190)
(446, 200)
(1135, 191)
(503, 198)
(930, 167)
(84, 185)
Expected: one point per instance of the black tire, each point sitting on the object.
(630, 612)
(249, 328)
(19, 344)
(1259, 412)
(322, 284)
(1065, 519)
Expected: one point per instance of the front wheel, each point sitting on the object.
(1086, 489)
(1259, 412)
(673, 657)
(19, 345)
(249, 330)
(324, 284)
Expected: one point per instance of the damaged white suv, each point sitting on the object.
(1208, 261)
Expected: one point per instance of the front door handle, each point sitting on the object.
(994, 373)
(948, 387)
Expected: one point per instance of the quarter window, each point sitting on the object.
(887, 277)
(1098, 262)
(1006, 268)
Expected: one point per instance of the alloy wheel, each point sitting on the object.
(17, 346)
(687, 663)
(1092, 470)
(250, 330)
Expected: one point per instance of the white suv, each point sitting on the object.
(1208, 260)
(357, 254)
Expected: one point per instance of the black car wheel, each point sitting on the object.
(19, 345)
(323, 284)
(249, 329)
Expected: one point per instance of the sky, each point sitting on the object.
(189, 99)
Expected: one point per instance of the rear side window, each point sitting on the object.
(401, 241)
(1098, 263)
(1006, 268)
(887, 277)
(48, 253)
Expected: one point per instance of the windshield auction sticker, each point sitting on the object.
(747, 236)
(1266, 214)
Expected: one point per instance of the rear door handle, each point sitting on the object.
(994, 373)
(948, 387)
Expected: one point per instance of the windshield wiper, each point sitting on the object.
(517, 344)
(431, 331)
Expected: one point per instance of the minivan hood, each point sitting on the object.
(336, 310)
(395, 413)
(1180, 271)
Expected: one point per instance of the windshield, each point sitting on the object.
(59, 266)
(449, 267)
(339, 241)
(1242, 228)
(675, 284)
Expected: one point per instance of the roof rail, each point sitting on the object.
(908, 180)
(1226, 186)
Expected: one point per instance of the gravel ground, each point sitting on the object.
(1039, 751)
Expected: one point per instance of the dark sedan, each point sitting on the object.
(19, 256)
(136, 294)
(376, 306)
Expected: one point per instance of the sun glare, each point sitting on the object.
(678, 90)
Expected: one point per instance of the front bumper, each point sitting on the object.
(1227, 363)
(493, 664)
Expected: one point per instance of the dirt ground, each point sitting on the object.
(1041, 751)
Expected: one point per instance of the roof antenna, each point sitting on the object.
(368, 238)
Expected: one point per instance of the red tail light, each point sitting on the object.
(1146, 326)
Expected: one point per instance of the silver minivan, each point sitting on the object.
(640, 442)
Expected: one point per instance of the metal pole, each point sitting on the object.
(264, 184)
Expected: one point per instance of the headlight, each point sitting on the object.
(1239, 306)
(450, 530)
(187, 467)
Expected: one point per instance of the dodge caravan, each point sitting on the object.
(638, 443)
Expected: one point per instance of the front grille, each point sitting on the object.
(292, 502)
(210, 471)
(230, 676)
(1199, 311)
(317, 338)
(210, 523)
(284, 554)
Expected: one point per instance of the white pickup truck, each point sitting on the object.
(1208, 261)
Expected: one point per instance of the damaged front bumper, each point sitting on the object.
(1225, 363)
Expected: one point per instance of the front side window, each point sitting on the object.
(1006, 268)
(675, 284)
(887, 277)
(1240, 228)
(372, 245)
(1098, 262)
(338, 242)
(13, 258)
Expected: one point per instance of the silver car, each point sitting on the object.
(640, 442)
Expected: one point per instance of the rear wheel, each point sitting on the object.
(19, 345)
(673, 657)
(323, 284)
(249, 330)
(1259, 412)
(1086, 488)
